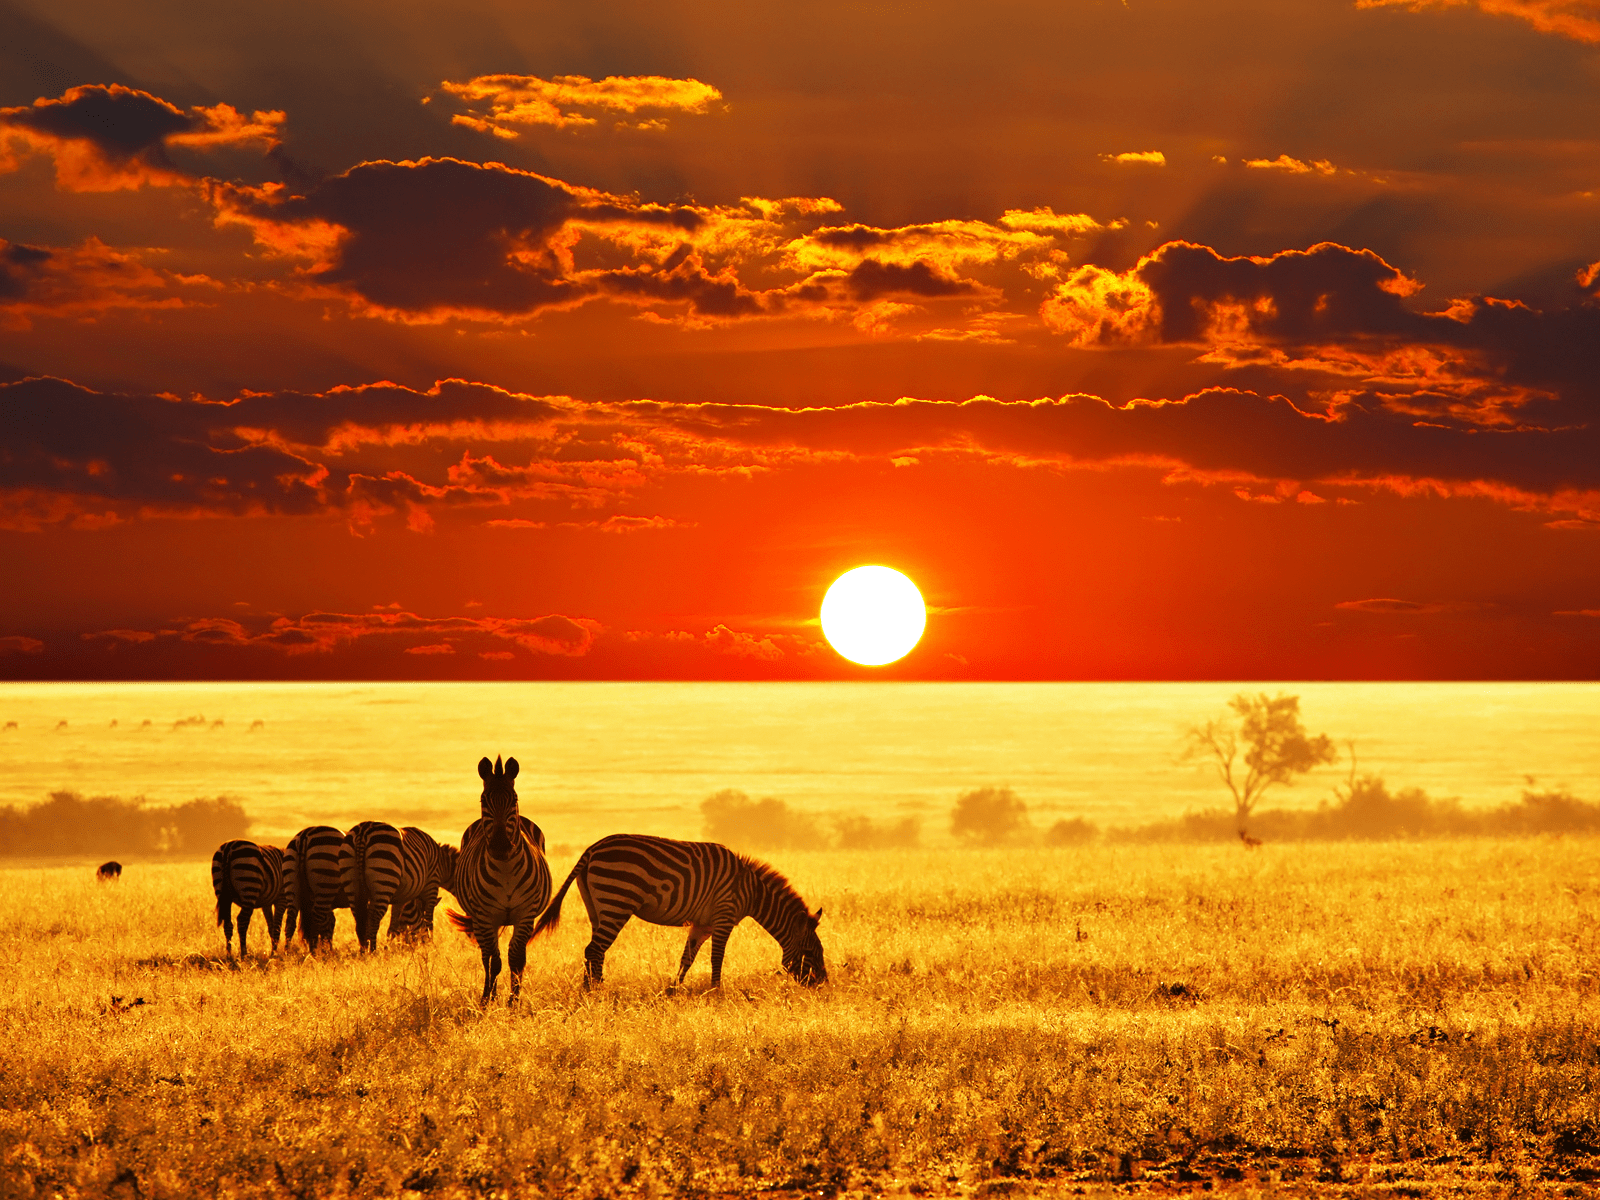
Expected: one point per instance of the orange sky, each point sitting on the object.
(529, 340)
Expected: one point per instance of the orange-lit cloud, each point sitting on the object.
(1575, 19)
(108, 138)
(1152, 157)
(559, 102)
(76, 281)
(1292, 165)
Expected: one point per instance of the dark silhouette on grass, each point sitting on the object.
(109, 871)
(103, 825)
(1276, 748)
(989, 816)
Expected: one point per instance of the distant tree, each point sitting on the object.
(989, 815)
(1074, 832)
(862, 833)
(735, 820)
(1276, 747)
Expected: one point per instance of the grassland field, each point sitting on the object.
(1410, 1019)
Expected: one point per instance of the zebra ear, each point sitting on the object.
(485, 768)
(511, 768)
(815, 917)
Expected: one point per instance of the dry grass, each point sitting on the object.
(1393, 1019)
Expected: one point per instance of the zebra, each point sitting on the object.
(316, 885)
(108, 871)
(701, 885)
(426, 866)
(250, 876)
(370, 863)
(501, 877)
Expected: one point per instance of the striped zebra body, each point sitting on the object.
(250, 876)
(316, 883)
(370, 864)
(700, 885)
(501, 877)
(426, 867)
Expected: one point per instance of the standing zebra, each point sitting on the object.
(370, 864)
(501, 877)
(701, 885)
(311, 863)
(426, 866)
(250, 876)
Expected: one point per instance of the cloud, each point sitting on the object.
(1152, 157)
(17, 644)
(107, 138)
(723, 640)
(1384, 605)
(323, 632)
(76, 281)
(1292, 165)
(1575, 19)
(559, 102)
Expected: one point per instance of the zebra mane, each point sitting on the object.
(770, 877)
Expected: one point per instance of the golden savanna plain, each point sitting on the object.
(1363, 1019)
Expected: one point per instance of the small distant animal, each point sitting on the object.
(250, 876)
(113, 722)
(502, 877)
(109, 871)
(145, 724)
(217, 724)
(61, 724)
(258, 723)
(701, 885)
(1250, 843)
(11, 724)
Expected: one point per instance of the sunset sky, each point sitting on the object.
(517, 340)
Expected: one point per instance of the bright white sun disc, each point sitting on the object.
(873, 615)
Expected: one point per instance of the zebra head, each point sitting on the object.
(499, 802)
(804, 960)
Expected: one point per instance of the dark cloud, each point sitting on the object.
(105, 137)
(871, 279)
(76, 281)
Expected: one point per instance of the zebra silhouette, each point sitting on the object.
(370, 865)
(311, 862)
(252, 877)
(426, 866)
(501, 877)
(701, 885)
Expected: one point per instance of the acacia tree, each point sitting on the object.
(1276, 747)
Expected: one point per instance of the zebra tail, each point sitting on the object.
(358, 907)
(460, 920)
(302, 890)
(552, 913)
(222, 884)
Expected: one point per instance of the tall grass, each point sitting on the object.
(1420, 1017)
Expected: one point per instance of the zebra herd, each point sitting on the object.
(500, 877)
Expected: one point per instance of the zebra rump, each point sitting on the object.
(370, 865)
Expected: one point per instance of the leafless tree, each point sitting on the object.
(1274, 744)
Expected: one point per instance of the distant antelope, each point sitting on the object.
(370, 865)
(109, 871)
(1250, 843)
(701, 885)
(501, 877)
(250, 876)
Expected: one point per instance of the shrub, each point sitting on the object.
(862, 833)
(1074, 832)
(110, 826)
(732, 818)
(989, 816)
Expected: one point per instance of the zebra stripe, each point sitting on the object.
(370, 862)
(311, 862)
(501, 877)
(250, 876)
(426, 866)
(701, 885)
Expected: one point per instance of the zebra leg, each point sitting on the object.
(274, 915)
(244, 927)
(691, 949)
(517, 956)
(594, 955)
(320, 926)
(719, 943)
(291, 917)
(227, 924)
(375, 911)
(489, 944)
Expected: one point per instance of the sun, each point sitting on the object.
(873, 615)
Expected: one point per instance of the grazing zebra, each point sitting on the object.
(501, 877)
(370, 863)
(701, 885)
(109, 871)
(311, 863)
(426, 866)
(250, 876)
